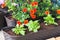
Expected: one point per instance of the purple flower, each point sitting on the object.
(1, 1)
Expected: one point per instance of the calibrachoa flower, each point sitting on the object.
(35, 10)
(32, 12)
(3, 5)
(34, 3)
(33, 16)
(19, 23)
(24, 10)
(47, 12)
(1, 1)
(25, 21)
(58, 11)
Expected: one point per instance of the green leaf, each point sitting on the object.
(49, 20)
(58, 16)
(33, 25)
(19, 30)
(35, 30)
(22, 32)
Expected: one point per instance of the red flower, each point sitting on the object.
(3, 5)
(32, 12)
(36, 3)
(24, 10)
(33, 16)
(19, 23)
(33, 4)
(25, 21)
(58, 11)
(35, 10)
(47, 12)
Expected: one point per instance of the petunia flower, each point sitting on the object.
(19, 23)
(25, 21)
(34, 3)
(32, 11)
(47, 12)
(35, 10)
(58, 11)
(1, 2)
(3, 5)
(33, 16)
(24, 10)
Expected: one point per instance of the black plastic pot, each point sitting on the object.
(2, 19)
(4, 10)
(40, 35)
(10, 22)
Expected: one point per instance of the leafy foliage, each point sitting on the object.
(19, 30)
(33, 26)
(21, 16)
(25, 9)
(10, 5)
(49, 20)
(58, 16)
(16, 6)
(42, 5)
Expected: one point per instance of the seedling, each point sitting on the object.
(19, 30)
(49, 20)
(33, 25)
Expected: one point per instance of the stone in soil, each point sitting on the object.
(51, 38)
(57, 38)
(1, 35)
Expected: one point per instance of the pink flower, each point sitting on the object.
(1, 2)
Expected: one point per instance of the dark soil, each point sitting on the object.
(13, 34)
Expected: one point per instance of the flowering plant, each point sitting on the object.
(23, 11)
(31, 8)
(26, 10)
(2, 4)
(1, 1)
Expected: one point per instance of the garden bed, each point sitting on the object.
(30, 20)
(41, 35)
(44, 33)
